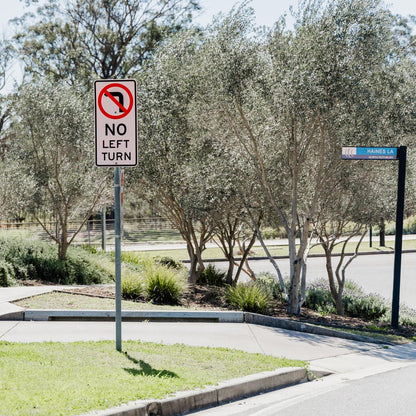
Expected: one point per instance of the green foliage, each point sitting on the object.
(37, 260)
(249, 297)
(169, 262)
(371, 306)
(163, 285)
(269, 233)
(271, 285)
(409, 225)
(6, 274)
(51, 379)
(136, 261)
(132, 287)
(89, 248)
(211, 276)
(82, 41)
(319, 298)
(356, 303)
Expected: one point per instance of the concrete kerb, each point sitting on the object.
(226, 391)
(190, 316)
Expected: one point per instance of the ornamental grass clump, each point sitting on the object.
(164, 285)
(132, 286)
(212, 277)
(249, 297)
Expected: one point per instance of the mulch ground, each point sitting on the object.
(212, 298)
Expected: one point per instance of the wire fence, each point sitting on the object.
(93, 232)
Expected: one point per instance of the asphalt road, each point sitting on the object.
(373, 272)
(384, 393)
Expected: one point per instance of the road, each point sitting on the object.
(373, 272)
(384, 393)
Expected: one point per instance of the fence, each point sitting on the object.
(134, 230)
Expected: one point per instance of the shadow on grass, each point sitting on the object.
(146, 369)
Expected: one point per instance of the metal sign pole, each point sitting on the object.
(117, 203)
(116, 145)
(388, 153)
(401, 155)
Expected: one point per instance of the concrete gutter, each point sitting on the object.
(226, 391)
(165, 316)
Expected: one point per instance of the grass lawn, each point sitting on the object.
(51, 379)
(60, 300)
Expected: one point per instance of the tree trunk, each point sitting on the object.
(62, 249)
(192, 277)
(340, 304)
(382, 232)
(230, 272)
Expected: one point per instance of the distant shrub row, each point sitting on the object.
(26, 259)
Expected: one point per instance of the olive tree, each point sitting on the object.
(292, 98)
(51, 145)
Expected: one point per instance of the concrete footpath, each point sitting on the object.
(326, 354)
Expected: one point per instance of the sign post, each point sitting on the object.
(388, 153)
(116, 146)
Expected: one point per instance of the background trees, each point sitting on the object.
(290, 99)
(51, 145)
(82, 41)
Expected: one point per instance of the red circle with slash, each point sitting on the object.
(105, 91)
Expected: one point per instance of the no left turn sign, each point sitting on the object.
(115, 123)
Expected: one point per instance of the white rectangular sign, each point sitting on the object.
(115, 122)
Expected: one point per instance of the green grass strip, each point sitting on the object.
(73, 378)
(60, 300)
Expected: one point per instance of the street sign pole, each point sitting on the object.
(401, 155)
(117, 223)
(388, 153)
(116, 146)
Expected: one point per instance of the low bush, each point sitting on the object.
(269, 233)
(371, 307)
(163, 285)
(6, 274)
(271, 285)
(319, 298)
(38, 260)
(356, 303)
(169, 262)
(132, 287)
(249, 297)
(211, 276)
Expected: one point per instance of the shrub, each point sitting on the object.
(371, 306)
(38, 260)
(271, 285)
(131, 287)
(319, 298)
(163, 285)
(136, 261)
(6, 274)
(248, 297)
(211, 276)
(409, 225)
(169, 262)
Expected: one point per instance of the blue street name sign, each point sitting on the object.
(372, 153)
